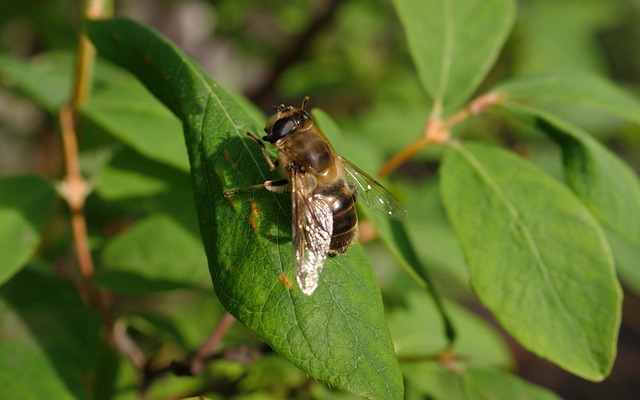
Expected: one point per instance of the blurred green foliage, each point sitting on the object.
(356, 65)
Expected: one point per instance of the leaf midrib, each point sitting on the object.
(515, 215)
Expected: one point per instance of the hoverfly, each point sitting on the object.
(324, 187)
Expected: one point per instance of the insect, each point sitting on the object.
(324, 187)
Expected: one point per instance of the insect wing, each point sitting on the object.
(372, 194)
(312, 225)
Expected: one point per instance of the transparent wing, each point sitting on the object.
(312, 225)
(372, 194)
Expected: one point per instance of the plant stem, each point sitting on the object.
(438, 132)
(74, 188)
(210, 346)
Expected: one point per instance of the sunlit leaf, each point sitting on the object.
(537, 258)
(454, 43)
(338, 335)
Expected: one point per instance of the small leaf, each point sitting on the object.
(46, 79)
(571, 89)
(155, 254)
(129, 112)
(339, 334)
(131, 175)
(25, 204)
(537, 258)
(454, 43)
(50, 339)
(471, 383)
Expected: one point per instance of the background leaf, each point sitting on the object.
(537, 259)
(472, 383)
(156, 254)
(338, 335)
(50, 340)
(556, 90)
(25, 204)
(417, 329)
(453, 43)
(129, 112)
(564, 34)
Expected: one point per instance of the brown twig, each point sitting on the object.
(194, 363)
(210, 346)
(74, 189)
(439, 132)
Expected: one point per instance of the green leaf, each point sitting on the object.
(537, 258)
(553, 89)
(454, 43)
(564, 34)
(25, 204)
(627, 256)
(471, 383)
(129, 112)
(607, 186)
(46, 79)
(131, 175)
(156, 254)
(338, 335)
(50, 339)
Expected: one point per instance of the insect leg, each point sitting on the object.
(256, 139)
(273, 186)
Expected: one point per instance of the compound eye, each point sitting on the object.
(282, 128)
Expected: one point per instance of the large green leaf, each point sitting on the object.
(338, 335)
(454, 43)
(25, 204)
(50, 339)
(537, 258)
(598, 177)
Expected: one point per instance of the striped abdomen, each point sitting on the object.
(341, 201)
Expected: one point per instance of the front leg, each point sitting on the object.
(265, 153)
(274, 186)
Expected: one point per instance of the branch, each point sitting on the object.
(439, 132)
(194, 363)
